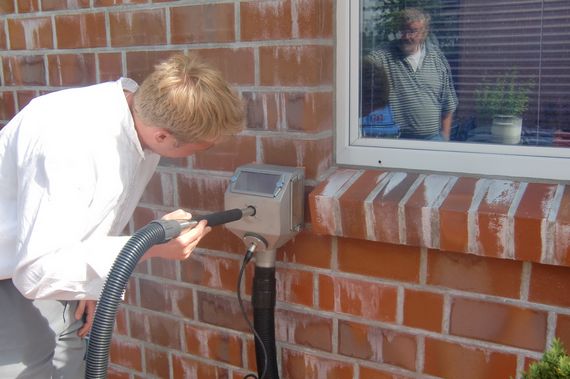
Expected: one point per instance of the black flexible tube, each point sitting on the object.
(263, 301)
(156, 232)
(123, 267)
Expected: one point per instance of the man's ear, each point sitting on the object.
(160, 135)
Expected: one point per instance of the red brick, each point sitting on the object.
(304, 65)
(308, 249)
(126, 353)
(236, 65)
(132, 28)
(2, 34)
(351, 204)
(114, 373)
(164, 268)
(265, 20)
(423, 310)
(184, 367)
(314, 155)
(304, 329)
(315, 18)
(6, 6)
(177, 299)
(222, 239)
(143, 216)
(202, 192)
(379, 260)
(450, 360)
(376, 345)
(299, 111)
(226, 155)
(562, 234)
(386, 206)
(372, 373)
(26, 70)
(157, 363)
(121, 327)
(222, 311)
(159, 190)
(52, 5)
(24, 98)
(563, 330)
(72, 70)
(81, 30)
(453, 222)
(26, 6)
(295, 286)
(493, 222)
(467, 272)
(499, 323)
(155, 329)
(534, 207)
(369, 300)
(420, 211)
(30, 33)
(210, 271)
(322, 202)
(141, 63)
(550, 285)
(213, 344)
(302, 365)
(202, 23)
(7, 105)
(110, 66)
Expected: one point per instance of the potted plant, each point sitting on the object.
(554, 364)
(504, 103)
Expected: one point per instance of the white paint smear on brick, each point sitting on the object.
(32, 31)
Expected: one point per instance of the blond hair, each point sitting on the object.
(189, 99)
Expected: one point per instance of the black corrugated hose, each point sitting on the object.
(156, 232)
(123, 267)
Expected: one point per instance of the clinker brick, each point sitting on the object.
(453, 219)
(550, 285)
(202, 23)
(7, 105)
(156, 363)
(72, 69)
(81, 30)
(449, 360)
(126, 353)
(369, 300)
(265, 20)
(423, 310)
(30, 33)
(500, 323)
(26, 70)
(213, 344)
(132, 28)
(227, 154)
(467, 272)
(304, 329)
(303, 365)
(184, 367)
(379, 260)
(307, 249)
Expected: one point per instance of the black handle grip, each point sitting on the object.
(219, 218)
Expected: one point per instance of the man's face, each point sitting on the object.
(412, 35)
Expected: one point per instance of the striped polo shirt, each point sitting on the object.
(418, 98)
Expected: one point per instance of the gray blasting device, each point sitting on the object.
(276, 193)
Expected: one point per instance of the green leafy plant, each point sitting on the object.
(554, 364)
(506, 96)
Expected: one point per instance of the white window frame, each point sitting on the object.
(531, 162)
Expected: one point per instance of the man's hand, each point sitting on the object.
(181, 247)
(86, 311)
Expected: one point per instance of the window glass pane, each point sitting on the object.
(497, 71)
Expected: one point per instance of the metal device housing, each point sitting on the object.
(276, 193)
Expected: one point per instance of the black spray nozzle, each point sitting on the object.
(172, 228)
(219, 218)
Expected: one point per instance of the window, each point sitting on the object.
(468, 50)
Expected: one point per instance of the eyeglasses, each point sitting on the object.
(410, 32)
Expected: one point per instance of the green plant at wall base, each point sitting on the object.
(507, 96)
(554, 364)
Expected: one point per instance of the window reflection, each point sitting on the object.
(468, 70)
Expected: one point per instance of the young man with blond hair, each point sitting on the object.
(73, 166)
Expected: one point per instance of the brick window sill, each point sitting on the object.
(488, 217)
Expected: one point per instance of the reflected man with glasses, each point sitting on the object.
(422, 96)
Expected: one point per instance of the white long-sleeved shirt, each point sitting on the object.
(72, 171)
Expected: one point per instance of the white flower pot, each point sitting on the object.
(506, 129)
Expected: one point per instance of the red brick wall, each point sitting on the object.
(355, 299)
